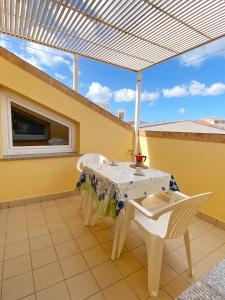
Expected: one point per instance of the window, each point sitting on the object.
(29, 128)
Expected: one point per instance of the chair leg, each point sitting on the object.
(188, 251)
(155, 247)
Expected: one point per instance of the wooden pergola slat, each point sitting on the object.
(130, 34)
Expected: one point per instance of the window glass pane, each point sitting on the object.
(32, 129)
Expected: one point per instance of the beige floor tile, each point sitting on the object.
(133, 241)
(119, 291)
(196, 255)
(176, 286)
(17, 287)
(78, 287)
(2, 240)
(205, 264)
(15, 226)
(47, 276)
(51, 217)
(66, 249)
(31, 297)
(40, 242)
(36, 221)
(199, 227)
(108, 248)
(222, 248)
(16, 236)
(43, 257)
(2, 250)
(127, 264)
(176, 261)
(1, 268)
(95, 256)
(86, 242)
(167, 274)
(73, 265)
(16, 249)
(69, 213)
(220, 233)
(212, 239)
(16, 266)
(106, 274)
(138, 281)
(48, 203)
(57, 226)
(74, 221)
(104, 235)
(202, 245)
(38, 231)
(197, 274)
(217, 255)
(56, 292)
(62, 236)
(99, 226)
(175, 243)
(97, 296)
(163, 295)
(141, 254)
(79, 230)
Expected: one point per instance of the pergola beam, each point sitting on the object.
(137, 110)
(75, 72)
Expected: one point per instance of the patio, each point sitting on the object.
(47, 253)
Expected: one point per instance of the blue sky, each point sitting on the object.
(191, 86)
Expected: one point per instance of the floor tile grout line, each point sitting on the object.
(32, 269)
(3, 262)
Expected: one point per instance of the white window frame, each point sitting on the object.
(6, 98)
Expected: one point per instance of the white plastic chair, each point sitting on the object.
(89, 159)
(168, 222)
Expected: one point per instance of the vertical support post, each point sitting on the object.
(137, 110)
(75, 72)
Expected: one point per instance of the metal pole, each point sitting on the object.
(75, 72)
(137, 111)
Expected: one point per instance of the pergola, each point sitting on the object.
(132, 34)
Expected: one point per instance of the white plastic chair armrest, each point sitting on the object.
(177, 196)
(141, 209)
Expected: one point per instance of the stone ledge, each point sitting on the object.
(188, 136)
(40, 155)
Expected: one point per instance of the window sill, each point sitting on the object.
(40, 155)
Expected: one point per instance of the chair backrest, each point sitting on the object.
(89, 159)
(182, 212)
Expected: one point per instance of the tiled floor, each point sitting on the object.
(46, 253)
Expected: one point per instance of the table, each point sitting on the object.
(112, 186)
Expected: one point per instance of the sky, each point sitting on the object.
(188, 87)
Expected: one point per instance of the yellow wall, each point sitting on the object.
(197, 166)
(96, 133)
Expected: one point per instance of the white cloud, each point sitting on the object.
(176, 91)
(149, 96)
(181, 110)
(195, 88)
(200, 89)
(98, 93)
(60, 76)
(124, 95)
(197, 56)
(128, 95)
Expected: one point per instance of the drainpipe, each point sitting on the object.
(75, 72)
(137, 110)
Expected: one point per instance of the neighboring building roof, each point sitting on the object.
(131, 34)
(58, 85)
(132, 123)
(184, 126)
